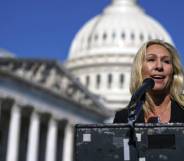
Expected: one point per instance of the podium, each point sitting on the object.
(120, 142)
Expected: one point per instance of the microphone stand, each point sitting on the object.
(134, 109)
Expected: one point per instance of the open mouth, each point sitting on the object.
(159, 77)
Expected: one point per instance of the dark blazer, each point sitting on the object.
(177, 115)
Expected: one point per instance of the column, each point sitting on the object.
(68, 143)
(13, 135)
(51, 141)
(33, 138)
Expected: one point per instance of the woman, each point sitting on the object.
(158, 60)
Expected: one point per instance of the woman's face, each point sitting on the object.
(158, 65)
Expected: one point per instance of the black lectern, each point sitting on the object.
(118, 142)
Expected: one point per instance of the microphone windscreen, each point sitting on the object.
(150, 82)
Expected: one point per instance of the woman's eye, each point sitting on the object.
(167, 61)
(150, 59)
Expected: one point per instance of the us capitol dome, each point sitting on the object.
(102, 52)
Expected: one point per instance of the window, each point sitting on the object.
(109, 80)
(132, 36)
(104, 36)
(87, 81)
(141, 37)
(121, 80)
(98, 81)
(123, 35)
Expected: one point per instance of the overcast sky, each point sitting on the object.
(45, 28)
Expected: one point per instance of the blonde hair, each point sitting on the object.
(176, 87)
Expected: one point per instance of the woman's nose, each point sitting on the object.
(159, 65)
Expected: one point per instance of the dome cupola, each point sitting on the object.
(121, 28)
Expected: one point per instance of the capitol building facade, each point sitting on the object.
(42, 100)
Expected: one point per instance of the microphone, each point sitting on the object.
(147, 85)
